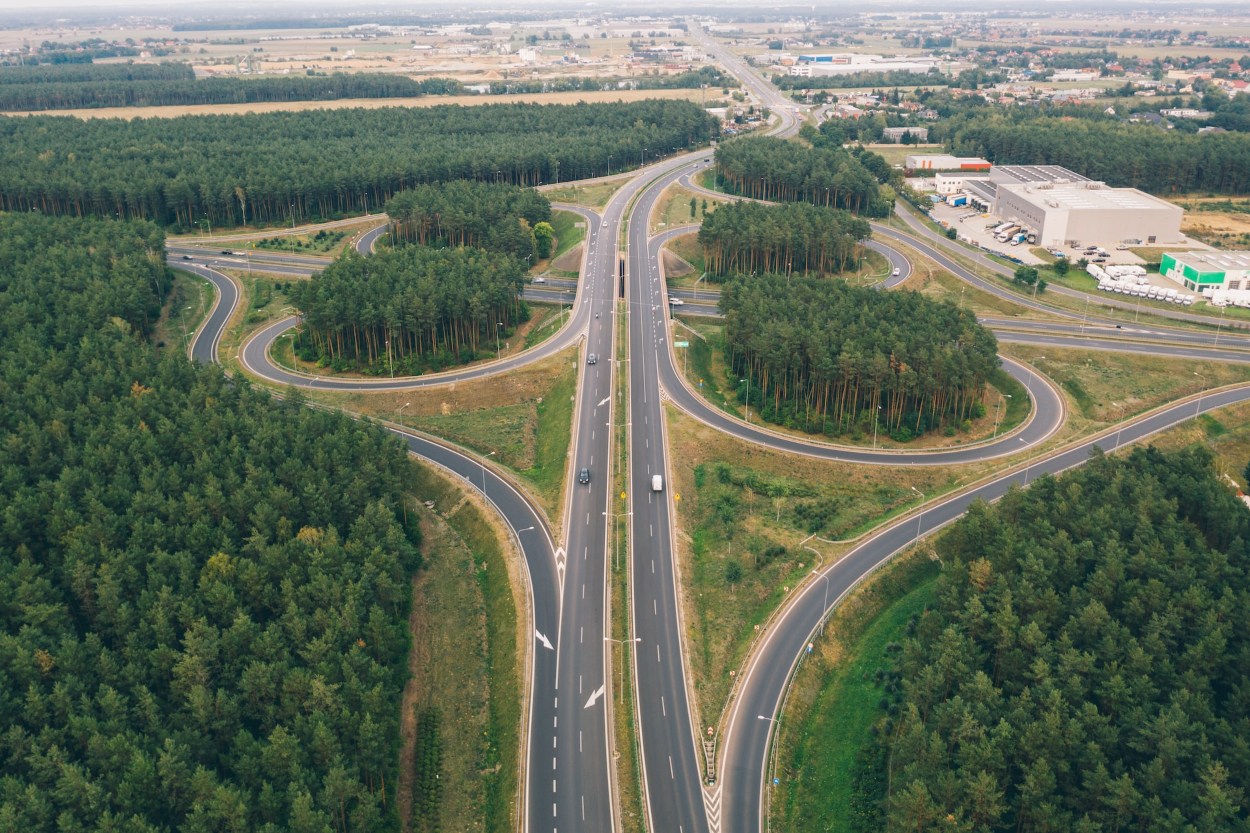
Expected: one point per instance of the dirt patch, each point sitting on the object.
(676, 266)
(570, 261)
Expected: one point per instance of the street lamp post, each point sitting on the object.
(748, 381)
(875, 419)
(482, 463)
(389, 363)
(825, 604)
(998, 410)
(1028, 465)
(920, 517)
(1201, 392)
(292, 212)
(1219, 326)
(500, 325)
(635, 640)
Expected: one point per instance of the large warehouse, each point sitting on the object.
(1062, 207)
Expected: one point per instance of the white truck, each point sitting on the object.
(657, 482)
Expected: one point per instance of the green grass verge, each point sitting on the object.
(628, 770)
(531, 438)
(186, 307)
(500, 757)
(570, 230)
(554, 433)
(467, 667)
(593, 195)
(835, 701)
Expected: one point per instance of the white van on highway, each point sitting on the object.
(657, 483)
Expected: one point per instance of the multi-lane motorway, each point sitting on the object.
(568, 761)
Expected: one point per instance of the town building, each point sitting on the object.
(896, 134)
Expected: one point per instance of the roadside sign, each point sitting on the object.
(681, 344)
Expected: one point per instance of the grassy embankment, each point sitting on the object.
(185, 309)
(462, 706)
(834, 700)
(592, 195)
(673, 208)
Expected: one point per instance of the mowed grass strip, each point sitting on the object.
(592, 195)
(835, 699)
(465, 663)
(570, 231)
(753, 523)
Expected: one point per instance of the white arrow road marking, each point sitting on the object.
(561, 560)
(544, 640)
(598, 693)
(605, 401)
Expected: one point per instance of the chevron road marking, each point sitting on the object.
(711, 805)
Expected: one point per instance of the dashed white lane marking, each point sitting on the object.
(671, 774)
(663, 713)
(553, 763)
(655, 610)
(657, 653)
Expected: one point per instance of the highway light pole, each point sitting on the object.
(999, 409)
(1201, 392)
(748, 381)
(824, 605)
(1219, 326)
(500, 325)
(920, 517)
(875, 420)
(482, 463)
(620, 687)
(390, 364)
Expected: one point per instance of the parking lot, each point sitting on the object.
(978, 229)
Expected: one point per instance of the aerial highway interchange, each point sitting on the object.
(569, 768)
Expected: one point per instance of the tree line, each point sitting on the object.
(766, 168)
(93, 73)
(1084, 666)
(465, 213)
(824, 356)
(743, 237)
(272, 168)
(409, 309)
(144, 92)
(1118, 153)
(204, 591)
(118, 89)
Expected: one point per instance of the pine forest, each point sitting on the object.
(743, 237)
(203, 591)
(1085, 666)
(466, 213)
(766, 168)
(292, 167)
(411, 309)
(823, 356)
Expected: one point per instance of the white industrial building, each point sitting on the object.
(1060, 207)
(1223, 277)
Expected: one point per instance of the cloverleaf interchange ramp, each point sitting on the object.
(569, 776)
